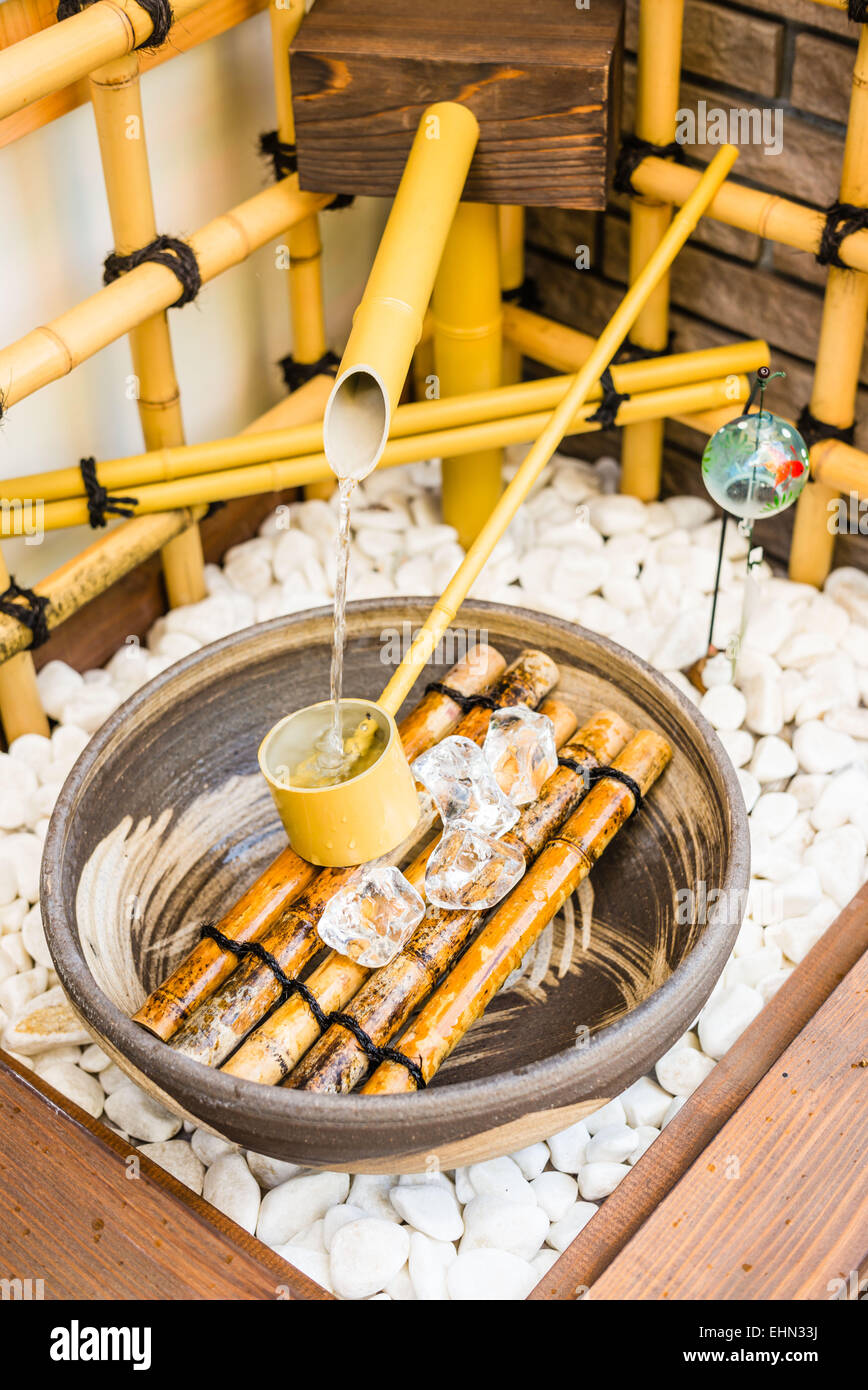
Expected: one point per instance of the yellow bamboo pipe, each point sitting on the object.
(839, 352)
(840, 467)
(20, 704)
(658, 81)
(63, 53)
(751, 209)
(611, 338)
(679, 402)
(48, 353)
(306, 306)
(387, 324)
(467, 339)
(510, 221)
(305, 437)
(117, 107)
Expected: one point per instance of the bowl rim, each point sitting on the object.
(550, 1080)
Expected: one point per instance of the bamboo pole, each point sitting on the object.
(48, 353)
(273, 442)
(64, 53)
(679, 401)
(839, 352)
(20, 704)
(466, 310)
(658, 84)
(515, 925)
(117, 106)
(510, 221)
(306, 305)
(547, 441)
(205, 968)
(220, 1024)
(337, 1062)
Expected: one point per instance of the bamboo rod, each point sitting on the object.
(679, 401)
(511, 220)
(658, 84)
(279, 442)
(205, 968)
(117, 106)
(306, 305)
(48, 353)
(270, 1052)
(21, 709)
(517, 923)
(337, 1062)
(466, 309)
(607, 344)
(64, 53)
(219, 1025)
(839, 352)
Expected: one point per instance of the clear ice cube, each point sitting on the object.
(372, 919)
(471, 870)
(521, 751)
(464, 788)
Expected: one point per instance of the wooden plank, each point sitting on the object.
(20, 18)
(684, 1141)
(776, 1208)
(544, 85)
(93, 1219)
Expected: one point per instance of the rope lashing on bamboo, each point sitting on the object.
(160, 12)
(814, 431)
(169, 251)
(612, 400)
(464, 702)
(592, 775)
(284, 160)
(857, 10)
(633, 150)
(297, 374)
(100, 502)
(842, 219)
(31, 615)
(632, 352)
(290, 986)
(526, 295)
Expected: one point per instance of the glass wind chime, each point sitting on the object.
(753, 467)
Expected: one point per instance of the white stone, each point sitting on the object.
(313, 1263)
(311, 1238)
(848, 587)
(400, 1287)
(555, 1193)
(754, 967)
(291, 550)
(769, 987)
(33, 935)
(76, 1085)
(427, 1266)
(230, 1186)
(717, 671)
(57, 683)
(34, 750)
(568, 1146)
(338, 1216)
(464, 1189)
(798, 894)
(177, 1157)
(430, 1209)
(682, 1069)
(138, 1114)
(774, 812)
(764, 708)
(609, 1114)
(68, 742)
(644, 1103)
(112, 1079)
(683, 641)
(13, 945)
(249, 572)
(689, 511)
(725, 1018)
(502, 1224)
(91, 707)
(490, 1276)
(675, 1106)
(8, 881)
(820, 749)
(849, 721)
(531, 1160)
(209, 1147)
(287, 1209)
(500, 1177)
(724, 707)
(842, 799)
(365, 1255)
(597, 1180)
(773, 759)
(269, 1172)
(46, 1021)
(645, 1136)
(804, 648)
(611, 1144)
(563, 1232)
(370, 1191)
(839, 859)
(750, 787)
(738, 744)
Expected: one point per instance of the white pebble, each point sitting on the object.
(598, 1180)
(555, 1193)
(820, 749)
(645, 1136)
(287, 1209)
(738, 744)
(230, 1186)
(46, 1021)
(370, 1191)
(490, 1276)
(644, 1103)
(725, 1018)
(366, 1255)
(57, 683)
(616, 514)
(774, 812)
(93, 1059)
(177, 1157)
(430, 1209)
(209, 1147)
(531, 1160)
(500, 1177)
(138, 1114)
(76, 1085)
(338, 1216)
(610, 1114)
(724, 707)
(562, 1233)
(611, 1144)
(502, 1224)
(427, 1266)
(682, 1069)
(270, 1172)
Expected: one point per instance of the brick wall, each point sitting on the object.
(788, 54)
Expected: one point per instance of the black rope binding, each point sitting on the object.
(160, 12)
(283, 156)
(100, 503)
(857, 10)
(340, 200)
(32, 614)
(633, 150)
(176, 255)
(632, 352)
(592, 775)
(290, 986)
(464, 702)
(611, 403)
(814, 431)
(526, 295)
(842, 219)
(296, 374)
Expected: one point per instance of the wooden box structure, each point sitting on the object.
(544, 84)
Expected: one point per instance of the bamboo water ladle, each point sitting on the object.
(330, 825)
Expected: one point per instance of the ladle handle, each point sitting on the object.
(611, 338)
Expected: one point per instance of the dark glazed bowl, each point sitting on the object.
(165, 820)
